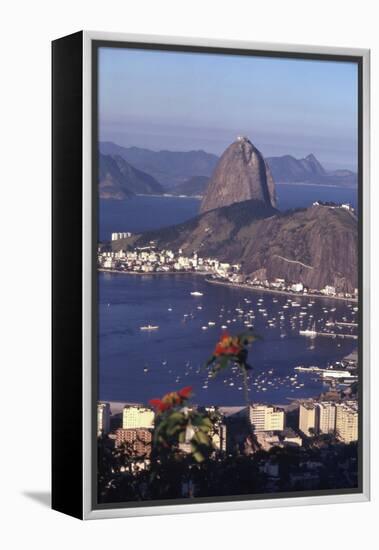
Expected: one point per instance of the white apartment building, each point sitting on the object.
(329, 290)
(122, 235)
(307, 418)
(297, 287)
(103, 418)
(109, 263)
(265, 418)
(326, 417)
(347, 421)
(137, 417)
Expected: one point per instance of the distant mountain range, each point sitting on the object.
(193, 187)
(170, 168)
(317, 246)
(188, 173)
(288, 169)
(119, 180)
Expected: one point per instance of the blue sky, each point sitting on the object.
(189, 101)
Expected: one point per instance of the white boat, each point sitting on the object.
(308, 332)
(196, 293)
(311, 333)
(150, 327)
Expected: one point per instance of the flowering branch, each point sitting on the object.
(176, 424)
(232, 350)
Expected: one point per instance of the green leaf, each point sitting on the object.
(202, 438)
(198, 456)
(172, 430)
(205, 425)
(175, 417)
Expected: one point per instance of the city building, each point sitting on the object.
(307, 418)
(347, 421)
(297, 287)
(267, 440)
(109, 263)
(265, 418)
(103, 418)
(291, 438)
(219, 437)
(326, 417)
(122, 235)
(329, 290)
(137, 417)
(139, 440)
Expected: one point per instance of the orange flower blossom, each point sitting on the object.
(228, 345)
(172, 399)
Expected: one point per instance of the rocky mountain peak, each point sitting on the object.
(241, 174)
(313, 165)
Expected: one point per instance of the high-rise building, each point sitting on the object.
(264, 418)
(326, 417)
(103, 418)
(347, 421)
(122, 235)
(308, 418)
(218, 436)
(137, 417)
(139, 439)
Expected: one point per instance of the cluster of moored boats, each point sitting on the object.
(289, 317)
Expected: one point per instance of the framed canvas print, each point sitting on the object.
(210, 275)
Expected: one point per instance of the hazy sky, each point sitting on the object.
(187, 101)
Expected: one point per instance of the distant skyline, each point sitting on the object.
(190, 101)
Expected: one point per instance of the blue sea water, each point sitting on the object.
(136, 365)
(143, 213)
(301, 196)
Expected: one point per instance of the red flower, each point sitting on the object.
(228, 345)
(171, 400)
(158, 405)
(185, 393)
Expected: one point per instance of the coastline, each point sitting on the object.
(169, 196)
(240, 286)
(154, 273)
(283, 292)
(284, 183)
(306, 184)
